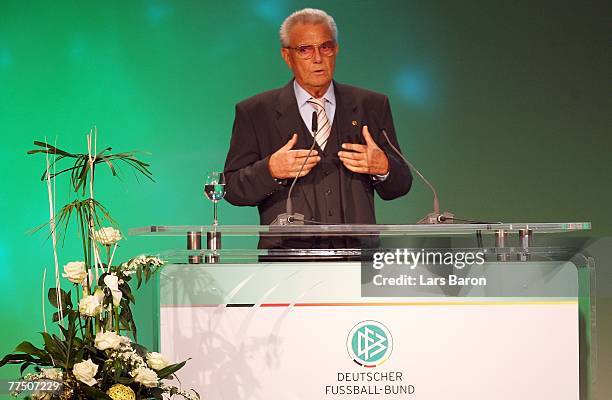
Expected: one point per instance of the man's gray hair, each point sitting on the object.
(306, 16)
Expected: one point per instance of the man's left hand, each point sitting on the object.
(364, 158)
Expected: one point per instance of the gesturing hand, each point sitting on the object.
(364, 159)
(286, 163)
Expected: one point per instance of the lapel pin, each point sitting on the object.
(354, 123)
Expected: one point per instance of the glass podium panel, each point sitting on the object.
(382, 230)
(371, 323)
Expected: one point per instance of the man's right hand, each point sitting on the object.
(286, 163)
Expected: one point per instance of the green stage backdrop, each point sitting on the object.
(505, 106)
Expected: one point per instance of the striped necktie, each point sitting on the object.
(322, 121)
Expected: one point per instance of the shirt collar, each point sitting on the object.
(302, 96)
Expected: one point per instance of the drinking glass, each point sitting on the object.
(214, 189)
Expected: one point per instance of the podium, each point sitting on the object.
(461, 311)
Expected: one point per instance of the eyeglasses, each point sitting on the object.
(306, 51)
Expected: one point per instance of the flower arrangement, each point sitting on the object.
(92, 355)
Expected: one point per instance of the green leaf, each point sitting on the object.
(139, 276)
(140, 350)
(127, 320)
(93, 393)
(127, 292)
(52, 296)
(55, 348)
(101, 279)
(125, 380)
(47, 148)
(118, 366)
(23, 367)
(65, 298)
(84, 210)
(80, 171)
(29, 348)
(170, 369)
(70, 338)
(157, 393)
(125, 316)
(65, 331)
(56, 315)
(16, 359)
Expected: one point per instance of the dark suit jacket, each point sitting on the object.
(265, 122)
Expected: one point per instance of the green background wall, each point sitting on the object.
(505, 106)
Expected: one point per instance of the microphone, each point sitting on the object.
(289, 217)
(434, 217)
(314, 124)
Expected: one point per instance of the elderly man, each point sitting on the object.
(273, 133)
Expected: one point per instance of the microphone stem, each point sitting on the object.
(436, 202)
(315, 131)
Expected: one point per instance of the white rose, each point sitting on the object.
(157, 361)
(51, 373)
(85, 372)
(99, 294)
(75, 271)
(145, 376)
(91, 305)
(107, 340)
(107, 236)
(112, 282)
